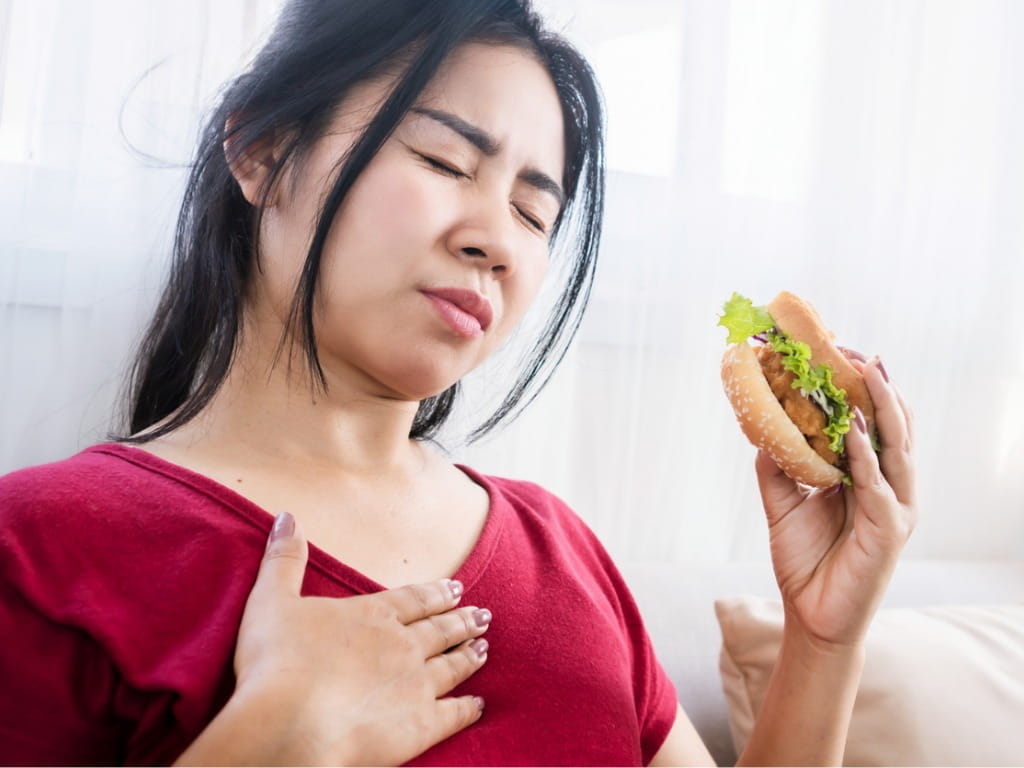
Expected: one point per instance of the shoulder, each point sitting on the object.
(52, 485)
(94, 479)
(108, 504)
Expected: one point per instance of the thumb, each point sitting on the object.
(779, 493)
(284, 562)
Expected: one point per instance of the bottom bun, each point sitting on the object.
(766, 424)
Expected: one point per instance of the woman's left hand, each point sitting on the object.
(834, 551)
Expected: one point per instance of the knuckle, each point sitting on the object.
(419, 594)
(460, 714)
(404, 644)
(442, 632)
(468, 712)
(285, 550)
(379, 610)
(456, 668)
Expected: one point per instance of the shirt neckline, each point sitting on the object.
(469, 572)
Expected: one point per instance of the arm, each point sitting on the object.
(833, 554)
(805, 714)
(806, 711)
(256, 729)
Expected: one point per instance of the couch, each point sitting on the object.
(678, 603)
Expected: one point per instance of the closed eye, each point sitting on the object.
(437, 165)
(533, 222)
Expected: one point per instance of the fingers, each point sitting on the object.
(457, 713)
(875, 497)
(894, 424)
(448, 670)
(779, 493)
(857, 360)
(437, 634)
(284, 561)
(418, 601)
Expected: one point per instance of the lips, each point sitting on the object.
(467, 312)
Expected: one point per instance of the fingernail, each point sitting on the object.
(854, 354)
(482, 617)
(479, 646)
(881, 368)
(284, 526)
(834, 490)
(859, 418)
(456, 588)
(479, 702)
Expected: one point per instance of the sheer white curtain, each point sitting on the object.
(88, 90)
(865, 155)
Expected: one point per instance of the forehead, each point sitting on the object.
(508, 93)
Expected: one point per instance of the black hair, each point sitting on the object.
(317, 52)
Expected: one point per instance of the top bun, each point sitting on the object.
(801, 322)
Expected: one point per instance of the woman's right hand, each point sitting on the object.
(344, 681)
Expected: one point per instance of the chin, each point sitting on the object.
(419, 383)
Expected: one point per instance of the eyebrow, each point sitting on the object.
(490, 147)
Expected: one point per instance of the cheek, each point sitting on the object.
(396, 205)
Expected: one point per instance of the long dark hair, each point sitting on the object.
(317, 52)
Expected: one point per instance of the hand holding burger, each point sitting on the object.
(813, 413)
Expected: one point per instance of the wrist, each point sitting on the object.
(798, 635)
(824, 659)
(263, 724)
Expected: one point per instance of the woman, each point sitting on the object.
(373, 208)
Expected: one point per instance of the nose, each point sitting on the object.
(486, 241)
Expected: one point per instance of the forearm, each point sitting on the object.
(806, 712)
(256, 728)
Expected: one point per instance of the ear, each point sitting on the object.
(253, 166)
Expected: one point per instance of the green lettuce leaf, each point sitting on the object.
(742, 319)
(815, 382)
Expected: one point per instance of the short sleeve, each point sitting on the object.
(56, 684)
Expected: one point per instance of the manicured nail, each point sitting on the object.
(284, 526)
(881, 368)
(479, 702)
(834, 490)
(854, 354)
(859, 418)
(455, 587)
(479, 646)
(482, 617)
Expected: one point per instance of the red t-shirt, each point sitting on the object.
(123, 579)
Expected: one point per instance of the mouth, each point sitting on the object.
(467, 312)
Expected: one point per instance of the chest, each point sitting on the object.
(393, 536)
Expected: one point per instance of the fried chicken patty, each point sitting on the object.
(803, 412)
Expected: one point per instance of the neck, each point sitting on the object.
(270, 408)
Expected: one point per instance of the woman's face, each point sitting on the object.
(443, 240)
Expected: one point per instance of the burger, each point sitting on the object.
(792, 389)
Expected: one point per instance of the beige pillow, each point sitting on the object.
(941, 686)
